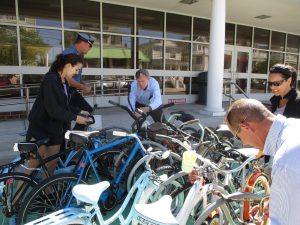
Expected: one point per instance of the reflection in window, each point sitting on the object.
(244, 36)
(41, 13)
(201, 30)
(275, 57)
(113, 84)
(227, 61)
(242, 83)
(258, 85)
(7, 11)
(150, 23)
(8, 46)
(92, 58)
(177, 55)
(292, 43)
(200, 57)
(150, 53)
(9, 85)
(82, 14)
(117, 19)
(261, 38)
(117, 52)
(242, 62)
(175, 86)
(260, 62)
(33, 82)
(178, 27)
(39, 47)
(160, 82)
(229, 34)
(277, 41)
(292, 60)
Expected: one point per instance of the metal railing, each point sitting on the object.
(25, 94)
(230, 94)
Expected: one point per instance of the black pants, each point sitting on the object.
(78, 100)
(157, 114)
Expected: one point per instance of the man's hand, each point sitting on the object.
(86, 89)
(145, 109)
(193, 176)
(136, 114)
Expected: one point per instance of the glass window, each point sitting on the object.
(117, 19)
(39, 47)
(261, 38)
(178, 27)
(275, 57)
(228, 61)
(92, 58)
(82, 15)
(278, 41)
(33, 82)
(242, 83)
(8, 46)
(175, 85)
(292, 60)
(258, 85)
(260, 61)
(150, 23)
(150, 53)
(292, 44)
(244, 36)
(7, 11)
(229, 34)
(9, 85)
(41, 13)
(201, 30)
(117, 52)
(177, 55)
(115, 84)
(200, 57)
(242, 62)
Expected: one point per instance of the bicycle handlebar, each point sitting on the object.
(207, 161)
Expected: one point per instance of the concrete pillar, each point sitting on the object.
(216, 60)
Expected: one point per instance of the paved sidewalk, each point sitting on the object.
(12, 131)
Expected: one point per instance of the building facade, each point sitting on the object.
(173, 46)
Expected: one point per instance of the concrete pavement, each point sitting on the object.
(12, 131)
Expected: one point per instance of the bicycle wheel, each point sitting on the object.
(14, 188)
(50, 195)
(106, 134)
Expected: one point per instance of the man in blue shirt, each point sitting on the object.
(83, 44)
(145, 95)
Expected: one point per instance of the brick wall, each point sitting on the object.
(12, 115)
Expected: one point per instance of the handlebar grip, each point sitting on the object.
(168, 105)
(113, 103)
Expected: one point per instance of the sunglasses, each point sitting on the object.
(276, 83)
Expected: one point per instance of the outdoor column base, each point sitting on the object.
(213, 112)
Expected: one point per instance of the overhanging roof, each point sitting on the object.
(284, 13)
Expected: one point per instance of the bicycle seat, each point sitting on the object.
(248, 152)
(80, 137)
(89, 193)
(26, 147)
(157, 212)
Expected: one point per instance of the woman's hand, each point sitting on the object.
(82, 120)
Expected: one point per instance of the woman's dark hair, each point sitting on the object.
(61, 60)
(286, 71)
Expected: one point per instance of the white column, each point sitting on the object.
(216, 60)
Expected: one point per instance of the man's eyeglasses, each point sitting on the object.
(276, 83)
(238, 129)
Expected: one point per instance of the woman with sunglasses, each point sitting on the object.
(286, 99)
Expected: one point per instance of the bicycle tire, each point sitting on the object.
(50, 195)
(106, 134)
(12, 189)
(222, 203)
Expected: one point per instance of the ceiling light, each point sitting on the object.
(189, 2)
(262, 17)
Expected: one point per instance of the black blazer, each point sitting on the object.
(292, 108)
(51, 110)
